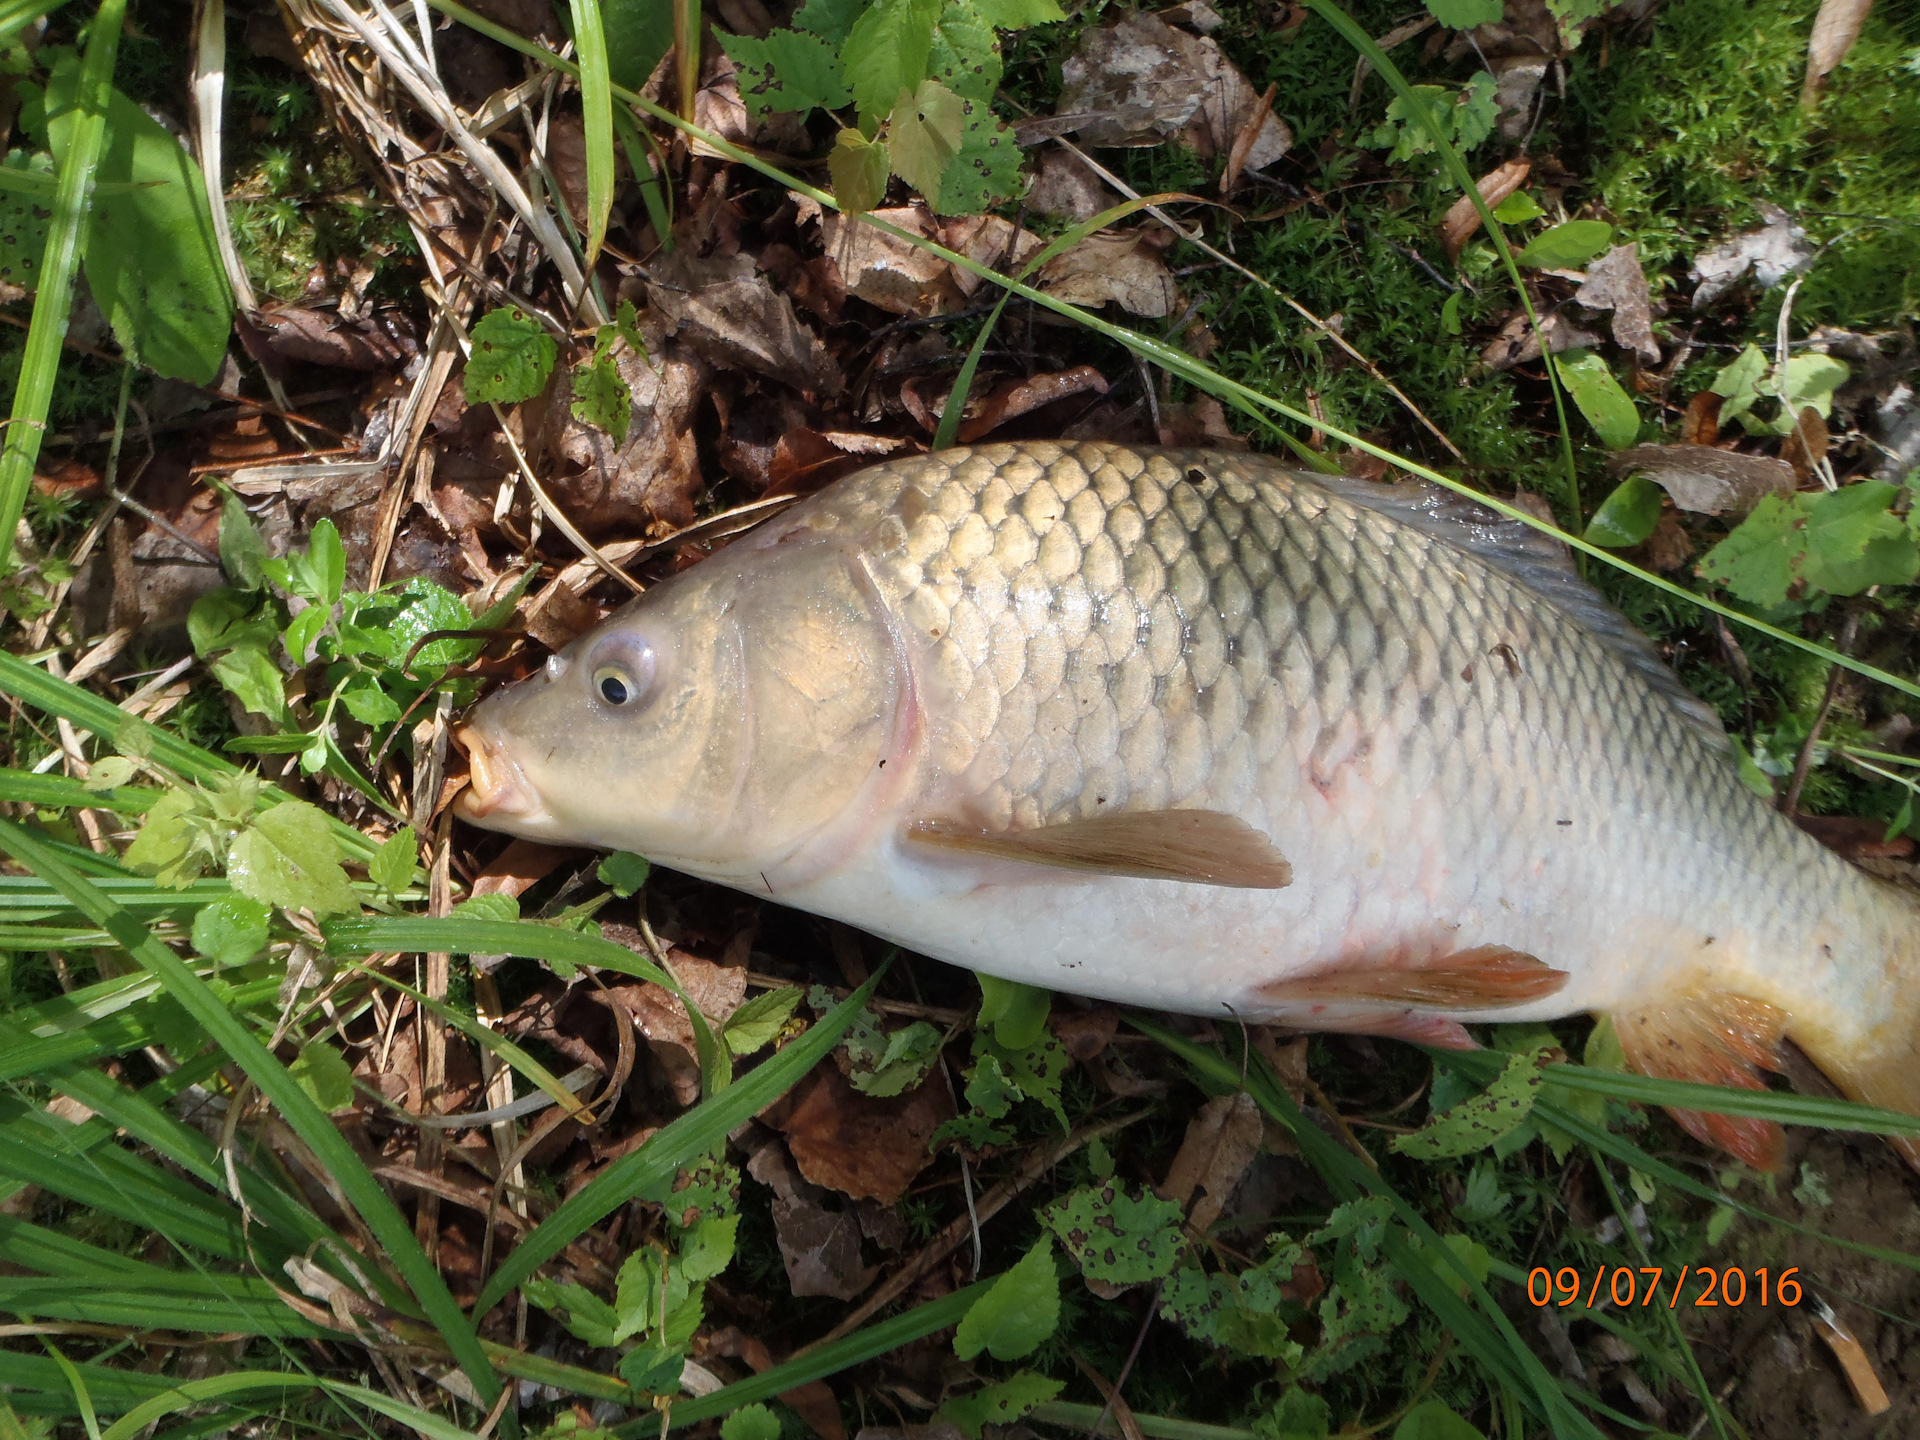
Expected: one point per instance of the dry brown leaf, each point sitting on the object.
(730, 315)
(813, 1400)
(1669, 547)
(1835, 29)
(899, 278)
(658, 1014)
(1142, 81)
(987, 240)
(655, 473)
(1463, 220)
(1516, 343)
(1204, 422)
(1704, 480)
(1065, 185)
(1855, 836)
(521, 866)
(1778, 249)
(1124, 268)
(861, 1145)
(1808, 443)
(1018, 397)
(1084, 1033)
(1220, 1143)
(382, 341)
(1700, 424)
(1616, 282)
(820, 1247)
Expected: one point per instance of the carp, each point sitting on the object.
(1187, 729)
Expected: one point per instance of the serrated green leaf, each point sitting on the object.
(582, 1311)
(1808, 382)
(368, 703)
(241, 548)
(901, 1065)
(623, 872)
(1738, 383)
(164, 846)
(324, 1074)
(1608, 408)
(1017, 1313)
(1476, 1123)
(859, 168)
(393, 863)
(1017, 1013)
(1465, 14)
(512, 357)
(751, 1422)
(493, 906)
(151, 259)
(708, 1247)
(966, 55)
(923, 134)
(254, 680)
(999, 1404)
(602, 399)
(226, 618)
(1628, 515)
(1567, 246)
(1756, 560)
(1116, 1235)
(289, 857)
(886, 52)
(755, 1023)
(831, 20)
(987, 168)
(232, 930)
(1853, 543)
(787, 71)
(1018, 14)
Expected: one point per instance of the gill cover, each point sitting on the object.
(735, 719)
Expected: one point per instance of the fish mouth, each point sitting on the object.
(499, 792)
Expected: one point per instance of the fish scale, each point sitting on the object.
(1495, 802)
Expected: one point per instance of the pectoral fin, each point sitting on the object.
(1478, 979)
(1203, 847)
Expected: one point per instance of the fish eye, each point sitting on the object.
(622, 673)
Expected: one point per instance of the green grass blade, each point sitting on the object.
(79, 1384)
(59, 792)
(33, 686)
(40, 360)
(305, 1118)
(684, 1140)
(638, 144)
(17, 15)
(1156, 1427)
(1194, 372)
(247, 1308)
(596, 104)
(201, 1392)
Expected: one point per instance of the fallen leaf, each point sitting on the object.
(1807, 443)
(1064, 185)
(381, 341)
(1516, 344)
(1835, 29)
(1669, 547)
(1203, 422)
(813, 1400)
(732, 317)
(1705, 480)
(1124, 268)
(1018, 397)
(899, 278)
(990, 241)
(658, 1014)
(521, 866)
(1084, 1033)
(652, 475)
(1700, 424)
(820, 1247)
(1142, 81)
(1616, 282)
(1220, 1143)
(1773, 252)
(861, 1145)
(1463, 219)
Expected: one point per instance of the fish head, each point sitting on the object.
(730, 719)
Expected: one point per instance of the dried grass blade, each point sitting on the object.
(40, 360)
(209, 91)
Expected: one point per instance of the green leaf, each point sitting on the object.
(755, 1023)
(1018, 14)
(165, 843)
(596, 106)
(1000, 1404)
(1300, 1415)
(787, 71)
(831, 20)
(1434, 1421)
(923, 135)
(393, 863)
(901, 1065)
(1608, 408)
(708, 1247)
(428, 607)
(241, 548)
(1567, 246)
(1853, 543)
(254, 680)
(623, 872)
(966, 55)
(512, 357)
(1756, 561)
(1118, 1236)
(887, 51)
(1476, 1123)
(225, 619)
(1464, 15)
(1017, 1313)
(324, 1074)
(289, 857)
(639, 34)
(602, 399)
(987, 169)
(1809, 381)
(1628, 515)
(1017, 1013)
(751, 1422)
(24, 221)
(582, 1311)
(493, 906)
(1738, 382)
(859, 168)
(326, 562)
(232, 930)
(151, 259)
(303, 633)
(1517, 209)
(1450, 314)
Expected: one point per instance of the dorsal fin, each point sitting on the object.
(1203, 847)
(1536, 561)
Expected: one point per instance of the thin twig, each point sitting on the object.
(1791, 799)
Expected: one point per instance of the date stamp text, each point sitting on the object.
(1698, 1285)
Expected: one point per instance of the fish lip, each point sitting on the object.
(499, 789)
